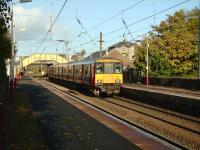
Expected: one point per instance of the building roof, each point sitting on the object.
(95, 55)
(120, 44)
(118, 55)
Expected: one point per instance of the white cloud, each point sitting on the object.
(32, 24)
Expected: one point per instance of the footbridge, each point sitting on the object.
(43, 57)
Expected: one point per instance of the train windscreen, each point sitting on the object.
(108, 68)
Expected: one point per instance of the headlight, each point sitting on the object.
(117, 81)
(99, 81)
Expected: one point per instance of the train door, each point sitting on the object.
(90, 74)
(82, 74)
(58, 72)
(93, 74)
(62, 73)
(73, 73)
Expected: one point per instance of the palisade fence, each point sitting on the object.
(4, 88)
(131, 75)
(135, 76)
(186, 83)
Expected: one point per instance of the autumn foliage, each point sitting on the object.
(173, 46)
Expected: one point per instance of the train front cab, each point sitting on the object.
(108, 76)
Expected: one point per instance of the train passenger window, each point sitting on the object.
(80, 70)
(86, 70)
(39, 69)
(69, 71)
(117, 68)
(99, 68)
(64, 70)
(89, 70)
(76, 70)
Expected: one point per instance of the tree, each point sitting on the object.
(82, 53)
(5, 42)
(5, 46)
(173, 46)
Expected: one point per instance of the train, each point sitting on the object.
(102, 76)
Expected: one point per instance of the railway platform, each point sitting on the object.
(66, 126)
(175, 99)
(1, 127)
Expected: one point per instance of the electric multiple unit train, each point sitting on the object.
(101, 76)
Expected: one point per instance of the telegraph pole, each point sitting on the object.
(199, 45)
(100, 41)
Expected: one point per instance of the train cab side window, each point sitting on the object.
(117, 68)
(99, 68)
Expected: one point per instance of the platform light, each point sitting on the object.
(25, 1)
(146, 35)
(12, 39)
(22, 29)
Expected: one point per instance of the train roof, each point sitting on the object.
(89, 61)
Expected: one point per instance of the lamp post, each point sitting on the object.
(147, 63)
(147, 57)
(12, 39)
(66, 44)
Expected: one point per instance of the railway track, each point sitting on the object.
(169, 112)
(183, 123)
(174, 119)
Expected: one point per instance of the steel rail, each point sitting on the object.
(158, 109)
(158, 136)
(160, 119)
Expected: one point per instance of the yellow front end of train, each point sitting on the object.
(108, 76)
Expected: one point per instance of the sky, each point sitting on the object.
(32, 22)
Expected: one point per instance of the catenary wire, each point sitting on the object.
(51, 26)
(107, 20)
(106, 34)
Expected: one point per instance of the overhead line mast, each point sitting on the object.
(101, 42)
